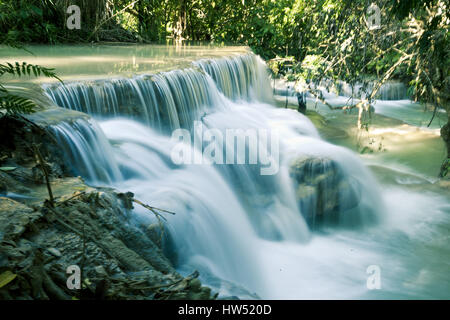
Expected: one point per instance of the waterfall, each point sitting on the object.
(166, 100)
(392, 90)
(88, 150)
(241, 77)
(225, 213)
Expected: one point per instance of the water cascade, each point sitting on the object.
(165, 100)
(392, 90)
(231, 220)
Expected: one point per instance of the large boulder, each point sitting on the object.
(324, 193)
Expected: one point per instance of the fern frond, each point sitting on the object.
(11, 103)
(15, 104)
(22, 69)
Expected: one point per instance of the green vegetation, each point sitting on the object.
(11, 103)
(410, 43)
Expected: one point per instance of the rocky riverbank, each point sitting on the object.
(42, 235)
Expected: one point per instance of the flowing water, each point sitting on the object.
(246, 232)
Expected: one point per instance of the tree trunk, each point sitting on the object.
(140, 8)
(445, 134)
(181, 23)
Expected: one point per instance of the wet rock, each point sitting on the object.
(15, 218)
(117, 263)
(38, 175)
(160, 235)
(323, 192)
(3, 188)
(100, 270)
(8, 183)
(147, 249)
(127, 199)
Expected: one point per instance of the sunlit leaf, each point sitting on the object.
(6, 169)
(6, 277)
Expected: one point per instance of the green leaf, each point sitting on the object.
(6, 277)
(36, 10)
(18, 69)
(7, 168)
(15, 104)
(365, 150)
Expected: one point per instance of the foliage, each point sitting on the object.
(411, 43)
(12, 103)
(28, 21)
(44, 21)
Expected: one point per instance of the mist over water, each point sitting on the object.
(246, 233)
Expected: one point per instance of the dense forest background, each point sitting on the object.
(357, 41)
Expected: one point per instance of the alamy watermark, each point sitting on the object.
(374, 280)
(373, 20)
(74, 279)
(234, 146)
(74, 19)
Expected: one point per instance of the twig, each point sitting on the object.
(153, 208)
(158, 216)
(44, 170)
(71, 198)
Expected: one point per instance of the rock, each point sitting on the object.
(100, 270)
(323, 192)
(154, 232)
(3, 188)
(38, 175)
(3, 260)
(127, 199)
(15, 218)
(195, 284)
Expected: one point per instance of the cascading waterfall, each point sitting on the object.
(88, 150)
(227, 215)
(393, 91)
(169, 99)
(389, 91)
(166, 100)
(242, 77)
